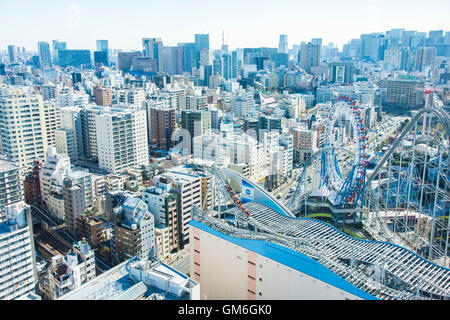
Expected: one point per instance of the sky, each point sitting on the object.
(246, 23)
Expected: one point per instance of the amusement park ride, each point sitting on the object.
(403, 203)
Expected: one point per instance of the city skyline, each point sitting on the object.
(249, 24)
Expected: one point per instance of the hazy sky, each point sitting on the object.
(247, 23)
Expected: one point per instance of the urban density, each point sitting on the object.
(188, 172)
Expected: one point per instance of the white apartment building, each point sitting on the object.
(52, 120)
(23, 128)
(17, 273)
(243, 105)
(10, 186)
(122, 140)
(68, 98)
(51, 177)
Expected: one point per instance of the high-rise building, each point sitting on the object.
(101, 58)
(171, 60)
(45, 57)
(74, 204)
(121, 139)
(74, 58)
(12, 52)
(52, 120)
(125, 59)
(162, 204)
(18, 275)
(102, 45)
(425, 58)
(187, 187)
(404, 93)
(56, 46)
(23, 135)
(152, 49)
(309, 56)
(197, 123)
(340, 73)
(11, 190)
(188, 56)
(283, 44)
(162, 120)
(226, 66)
(372, 46)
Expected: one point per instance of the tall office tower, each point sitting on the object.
(12, 52)
(188, 56)
(162, 125)
(425, 57)
(52, 120)
(309, 56)
(152, 49)
(18, 276)
(70, 140)
(134, 229)
(317, 42)
(340, 73)
(103, 96)
(404, 93)
(121, 139)
(171, 60)
(283, 44)
(187, 187)
(125, 60)
(11, 191)
(23, 136)
(201, 43)
(74, 58)
(197, 123)
(217, 66)
(243, 105)
(393, 58)
(372, 47)
(205, 57)
(102, 45)
(89, 129)
(435, 37)
(70, 272)
(162, 204)
(226, 66)
(101, 58)
(234, 65)
(56, 46)
(45, 57)
(74, 204)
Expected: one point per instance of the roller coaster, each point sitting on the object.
(403, 203)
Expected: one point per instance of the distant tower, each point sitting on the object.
(283, 44)
(224, 46)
